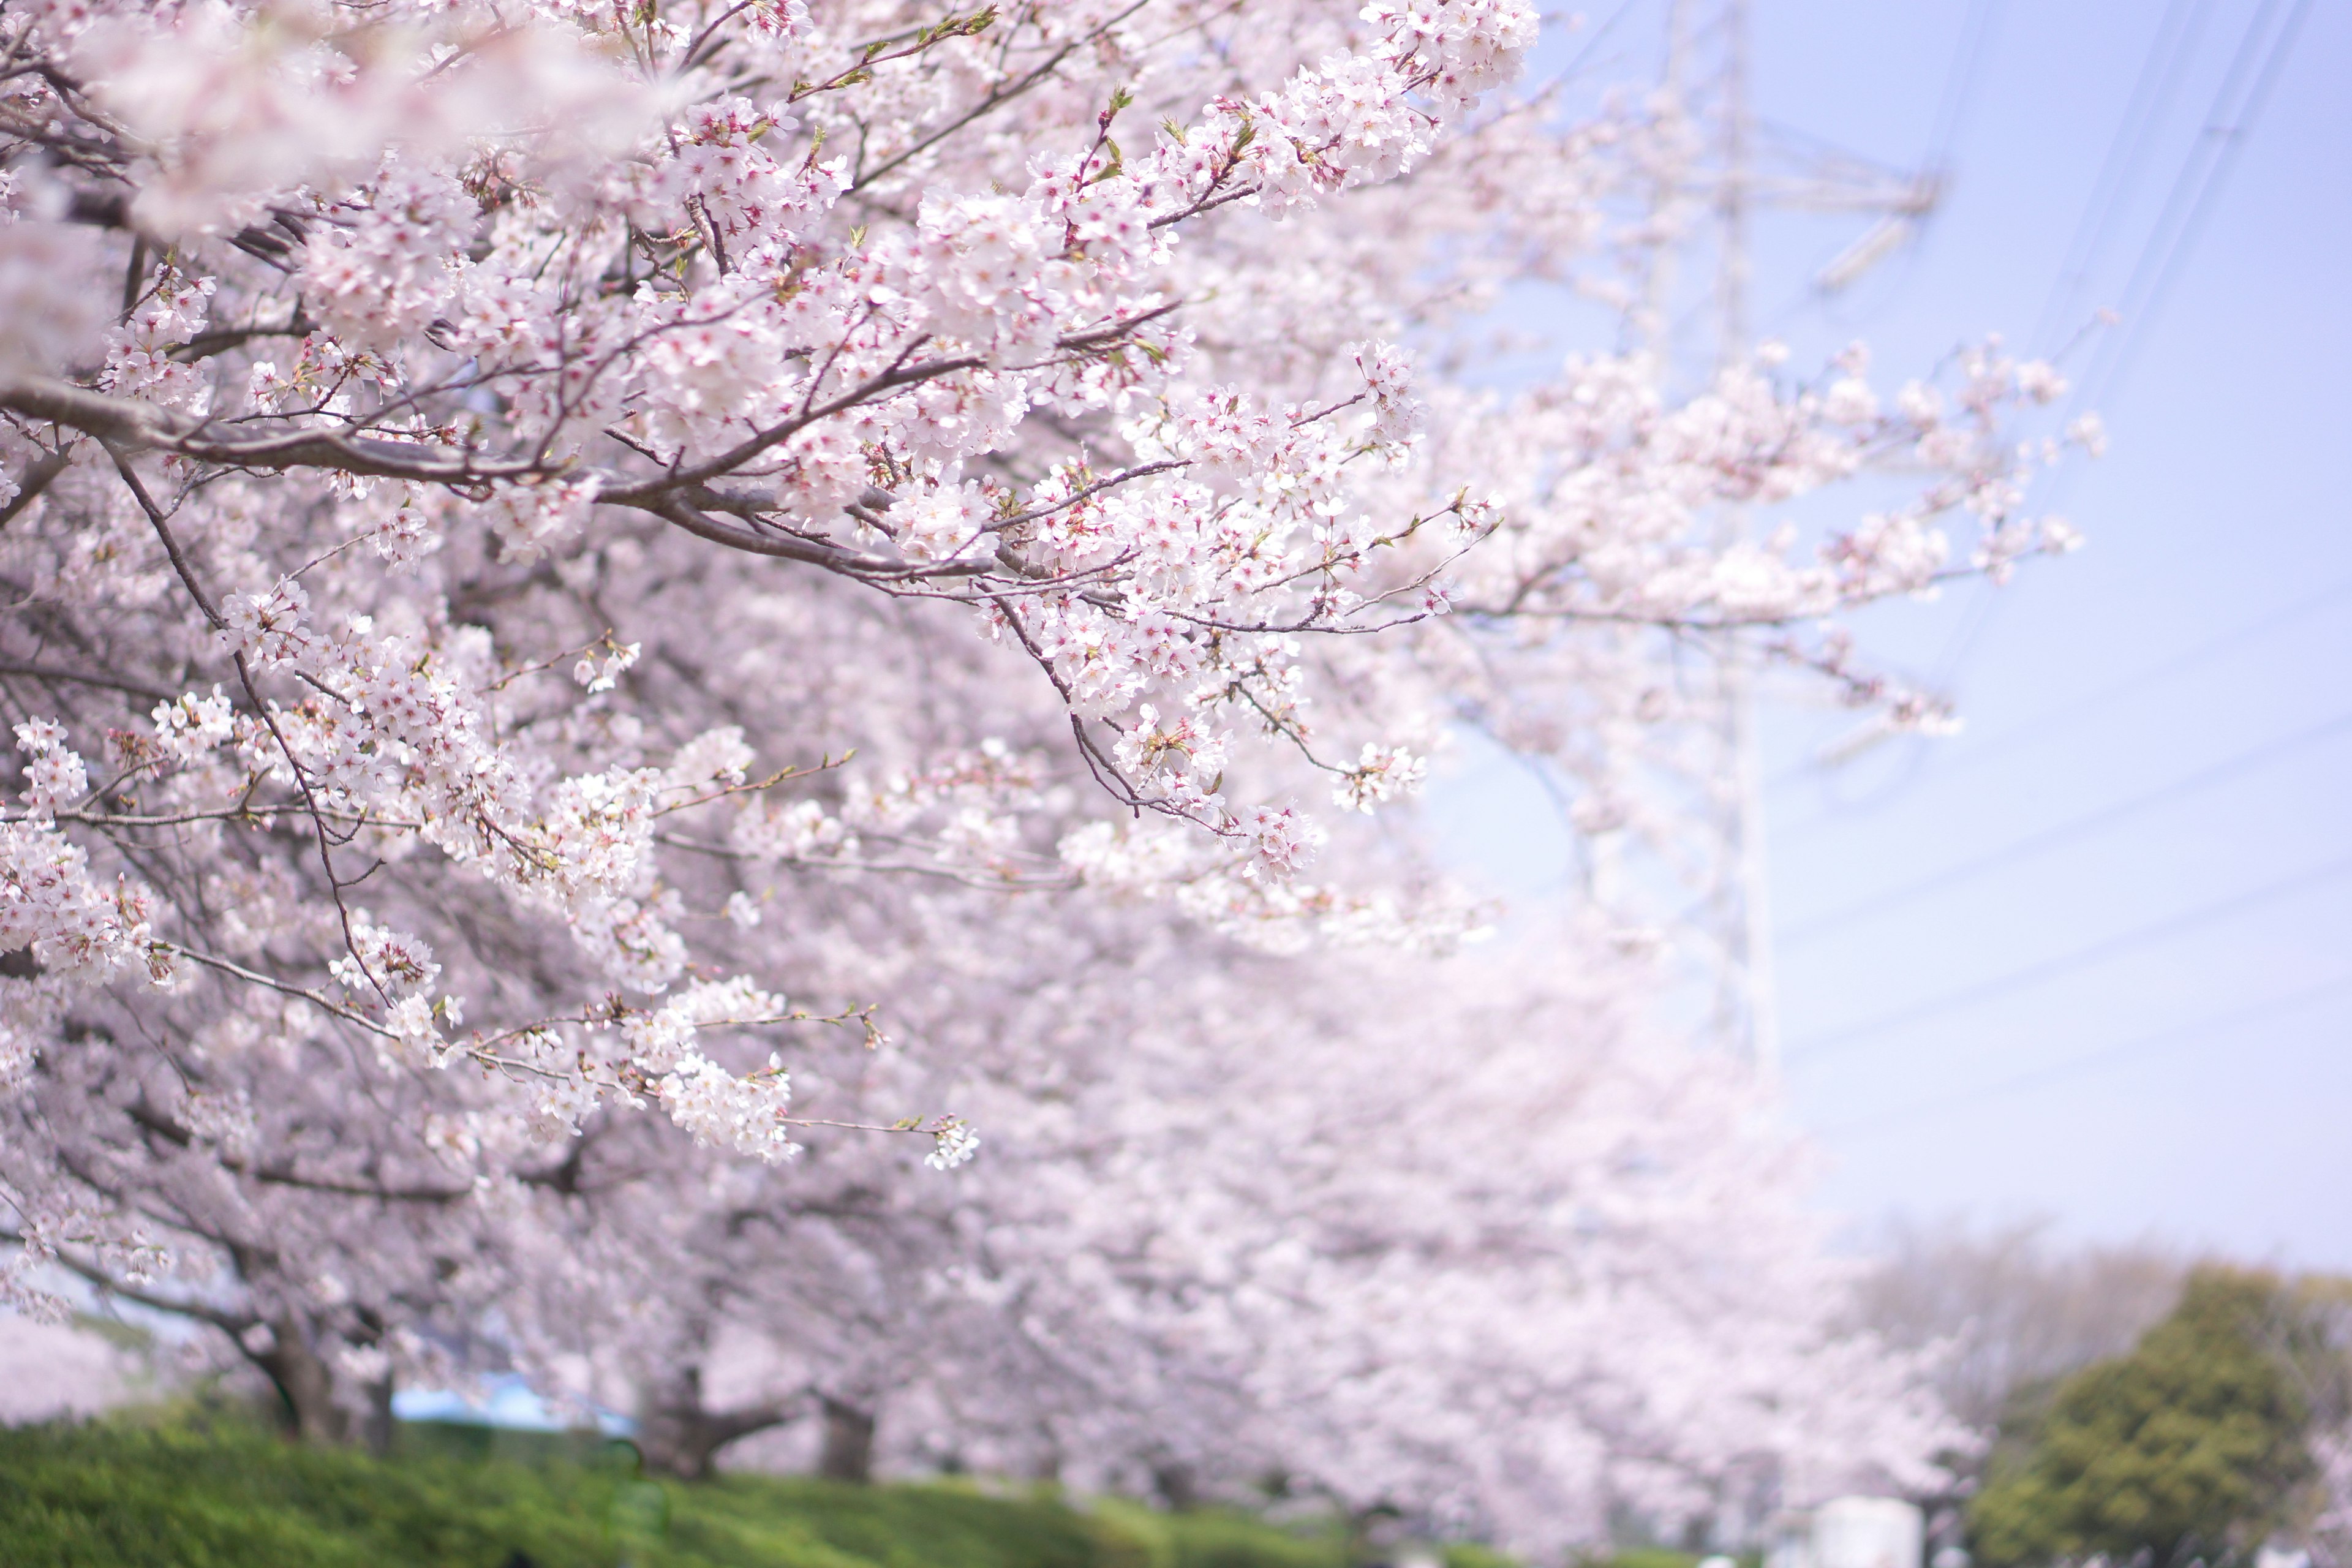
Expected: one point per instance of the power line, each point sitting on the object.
(2202, 653)
(2065, 832)
(2092, 1061)
(2195, 194)
(2203, 176)
(2168, 55)
(2160, 75)
(2065, 963)
(1569, 71)
(1902, 224)
(1959, 86)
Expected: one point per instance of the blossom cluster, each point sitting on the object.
(562, 558)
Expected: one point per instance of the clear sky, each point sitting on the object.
(2091, 960)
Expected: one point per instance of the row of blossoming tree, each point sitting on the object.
(604, 595)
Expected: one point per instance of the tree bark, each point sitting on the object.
(679, 1436)
(848, 1453)
(304, 1384)
(1177, 1486)
(376, 1425)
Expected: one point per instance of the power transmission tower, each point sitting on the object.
(1744, 169)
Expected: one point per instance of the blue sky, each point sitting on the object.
(2091, 958)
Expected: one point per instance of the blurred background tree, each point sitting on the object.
(2011, 1310)
(2191, 1446)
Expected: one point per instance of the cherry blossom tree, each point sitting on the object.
(1611, 1297)
(395, 281)
(1228, 1225)
(472, 475)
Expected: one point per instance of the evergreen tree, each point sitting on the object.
(2186, 1449)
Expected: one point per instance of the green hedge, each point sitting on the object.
(1141, 1537)
(214, 1492)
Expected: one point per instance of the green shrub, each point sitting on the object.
(1210, 1538)
(1141, 1536)
(235, 1497)
(205, 1490)
(1470, 1555)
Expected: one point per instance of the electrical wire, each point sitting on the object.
(2050, 839)
(2195, 196)
(1567, 72)
(2067, 963)
(1960, 80)
(2106, 1056)
(2031, 731)
(1960, 84)
(2245, 632)
(2168, 55)
(2203, 176)
(2189, 206)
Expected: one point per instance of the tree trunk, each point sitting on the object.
(1177, 1486)
(679, 1437)
(677, 1442)
(848, 1453)
(375, 1427)
(304, 1384)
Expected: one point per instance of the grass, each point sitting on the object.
(210, 1489)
